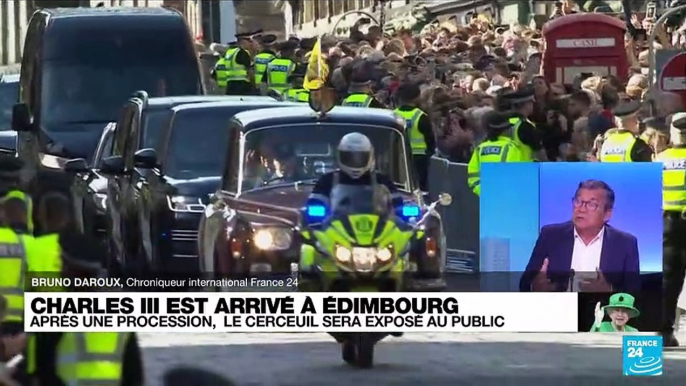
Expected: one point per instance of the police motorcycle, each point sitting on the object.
(360, 244)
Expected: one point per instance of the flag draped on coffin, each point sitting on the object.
(317, 69)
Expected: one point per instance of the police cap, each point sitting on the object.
(627, 109)
(519, 96)
(497, 121)
(679, 121)
(244, 35)
(267, 40)
(10, 167)
(655, 122)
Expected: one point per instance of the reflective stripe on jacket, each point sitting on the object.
(358, 100)
(261, 62)
(235, 72)
(617, 147)
(13, 268)
(673, 179)
(502, 150)
(526, 152)
(91, 358)
(417, 140)
(278, 71)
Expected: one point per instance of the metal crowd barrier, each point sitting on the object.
(461, 218)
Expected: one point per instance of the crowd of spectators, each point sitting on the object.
(463, 69)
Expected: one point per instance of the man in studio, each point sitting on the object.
(585, 254)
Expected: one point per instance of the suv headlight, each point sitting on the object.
(100, 201)
(185, 204)
(273, 239)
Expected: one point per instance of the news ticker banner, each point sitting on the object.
(300, 312)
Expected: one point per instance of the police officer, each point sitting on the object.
(17, 252)
(280, 69)
(264, 56)
(55, 216)
(360, 92)
(10, 181)
(622, 143)
(674, 205)
(420, 129)
(60, 359)
(298, 93)
(524, 134)
(220, 73)
(498, 147)
(240, 68)
(355, 157)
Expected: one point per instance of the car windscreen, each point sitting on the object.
(154, 122)
(9, 94)
(303, 152)
(197, 144)
(87, 80)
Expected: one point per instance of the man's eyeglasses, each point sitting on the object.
(590, 205)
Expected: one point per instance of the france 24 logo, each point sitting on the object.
(642, 355)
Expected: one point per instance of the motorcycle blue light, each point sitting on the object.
(316, 211)
(410, 211)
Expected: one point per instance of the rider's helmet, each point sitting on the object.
(355, 155)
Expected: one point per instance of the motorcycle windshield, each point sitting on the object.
(351, 199)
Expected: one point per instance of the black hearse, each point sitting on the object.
(80, 65)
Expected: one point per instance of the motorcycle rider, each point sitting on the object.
(355, 158)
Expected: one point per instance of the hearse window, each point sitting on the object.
(85, 80)
(197, 145)
(301, 152)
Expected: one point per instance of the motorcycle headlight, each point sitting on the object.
(273, 239)
(100, 201)
(343, 254)
(384, 254)
(185, 204)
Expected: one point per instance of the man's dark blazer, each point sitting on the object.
(619, 260)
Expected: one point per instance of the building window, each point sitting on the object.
(337, 6)
(350, 5)
(309, 12)
(323, 9)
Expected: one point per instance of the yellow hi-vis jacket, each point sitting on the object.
(502, 150)
(617, 147)
(673, 179)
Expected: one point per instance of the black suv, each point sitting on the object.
(139, 126)
(157, 194)
(79, 65)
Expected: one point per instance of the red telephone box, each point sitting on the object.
(584, 43)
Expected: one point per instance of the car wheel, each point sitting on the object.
(365, 351)
(349, 352)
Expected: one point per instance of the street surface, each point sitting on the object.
(428, 359)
